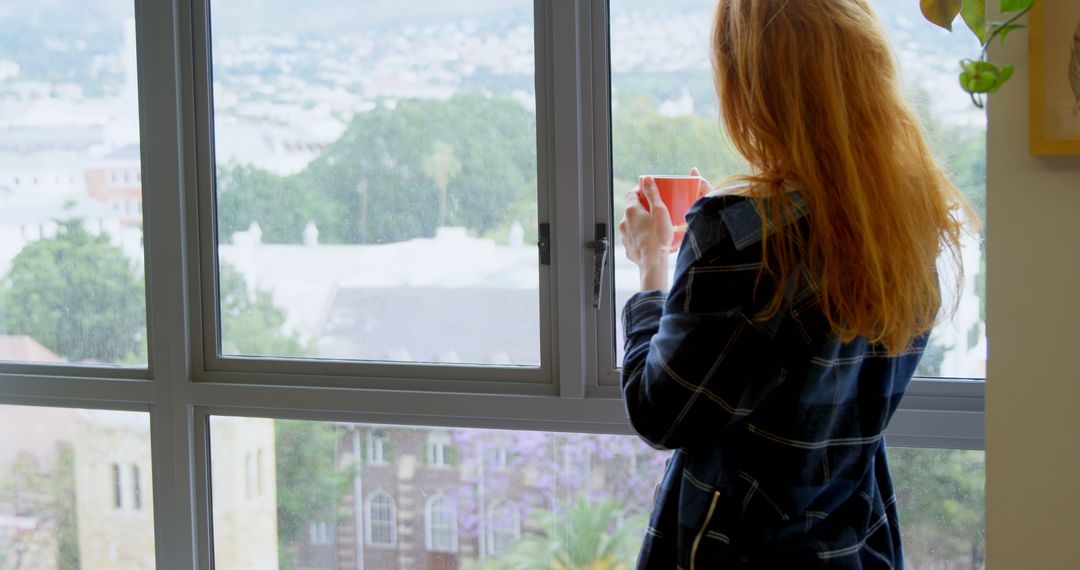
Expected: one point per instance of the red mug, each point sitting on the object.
(678, 193)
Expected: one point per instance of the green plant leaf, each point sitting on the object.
(1005, 29)
(974, 13)
(1015, 5)
(1003, 76)
(941, 12)
(980, 76)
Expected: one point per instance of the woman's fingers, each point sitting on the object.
(703, 186)
(652, 194)
(627, 243)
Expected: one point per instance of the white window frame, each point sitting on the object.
(377, 440)
(186, 382)
(493, 529)
(437, 448)
(369, 528)
(320, 533)
(430, 528)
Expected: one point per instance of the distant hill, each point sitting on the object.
(81, 18)
(330, 16)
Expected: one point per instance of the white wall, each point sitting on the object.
(1033, 314)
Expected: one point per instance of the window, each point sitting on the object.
(499, 458)
(382, 520)
(321, 532)
(253, 473)
(664, 113)
(504, 527)
(364, 262)
(250, 475)
(440, 525)
(117, 486)
(69, 490)
(377, 447)
(412, 197)
(440, 450)
(136, 488)
(73, 295)
(483, 510)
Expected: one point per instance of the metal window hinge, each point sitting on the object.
(599, 248)
(543, 243)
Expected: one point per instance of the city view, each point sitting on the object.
(377, 200)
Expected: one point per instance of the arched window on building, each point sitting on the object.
(503, 526)
(440, 525)
(382, 520)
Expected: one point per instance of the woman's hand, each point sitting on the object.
(647, 235)
(704, 188)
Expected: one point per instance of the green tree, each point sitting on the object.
(396, 174)
(24, 486)
(247, 194)
(933, 356)
(62, 489)
(310, 484)
(78, 295)
(587, 536)
(441, 165)
(940, 496)
(645, 142)
(250, 322)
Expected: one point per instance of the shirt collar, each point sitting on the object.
(743, 219)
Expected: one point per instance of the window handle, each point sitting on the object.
(600, 257)
(543, 243)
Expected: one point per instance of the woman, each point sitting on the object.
(801, 303)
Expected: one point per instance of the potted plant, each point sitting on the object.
(979, 77)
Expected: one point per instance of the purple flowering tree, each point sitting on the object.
(552, 480)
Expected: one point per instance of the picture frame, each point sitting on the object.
(1054, 57)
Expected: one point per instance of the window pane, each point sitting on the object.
(75, 489)
(376, 180)
(941, 497)
(665, 117)
(460, 512)
(71, 257)
(471, 515)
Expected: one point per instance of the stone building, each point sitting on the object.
(114, 499)
(244, 493)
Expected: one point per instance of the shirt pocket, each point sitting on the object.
(707, 517)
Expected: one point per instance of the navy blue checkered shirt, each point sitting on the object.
(777, 426)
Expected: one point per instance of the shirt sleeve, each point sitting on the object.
(694, 362)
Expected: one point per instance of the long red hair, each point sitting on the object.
(809, 94)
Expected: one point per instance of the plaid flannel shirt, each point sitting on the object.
(777, 426)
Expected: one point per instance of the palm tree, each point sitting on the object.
(587, 536)
(441, 166)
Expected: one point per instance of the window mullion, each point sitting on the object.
(162, 128)
(601, 324)
(567, 110)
